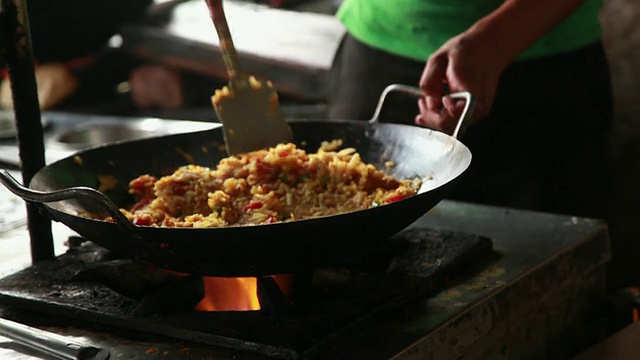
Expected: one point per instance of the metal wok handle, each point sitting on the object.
(75, 192)
(469, 106)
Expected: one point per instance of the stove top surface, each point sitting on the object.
(529, 288)
(86, 283)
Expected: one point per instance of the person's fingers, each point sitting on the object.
(445, 119)
(436, 121)
(432, 80)
(432, 103)
(423, 108)
(428, 117)
(448, 103)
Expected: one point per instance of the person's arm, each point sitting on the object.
(474, 59)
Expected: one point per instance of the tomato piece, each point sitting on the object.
(252, 205)
(140, 204)
(142, 221)
(142, 181)
(394, 198)
(263, 168)
(180, 188)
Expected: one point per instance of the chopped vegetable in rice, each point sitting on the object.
(280, 184)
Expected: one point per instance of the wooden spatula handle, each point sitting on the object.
(229, 54)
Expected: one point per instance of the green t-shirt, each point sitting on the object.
(416, 28)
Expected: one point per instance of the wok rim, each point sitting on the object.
(420, 192)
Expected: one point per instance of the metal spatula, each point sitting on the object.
(247, 107)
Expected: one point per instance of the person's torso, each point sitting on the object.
(416, 28)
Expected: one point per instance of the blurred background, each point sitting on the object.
(621, 24)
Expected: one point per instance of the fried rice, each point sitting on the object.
(280, 184)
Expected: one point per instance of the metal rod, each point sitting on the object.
(15, 43)
(50, 343)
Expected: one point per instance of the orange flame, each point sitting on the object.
(235, 294)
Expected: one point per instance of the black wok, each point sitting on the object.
(437, 158)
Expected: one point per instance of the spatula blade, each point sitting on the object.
(250, 117)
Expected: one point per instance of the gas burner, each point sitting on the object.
(89, 283)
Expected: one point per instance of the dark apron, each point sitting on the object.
(545, 146)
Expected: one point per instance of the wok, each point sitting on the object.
(66, 189)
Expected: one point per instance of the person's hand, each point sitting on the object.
(465, 63)
(474, 60)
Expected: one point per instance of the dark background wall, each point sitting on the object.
(621, 24)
